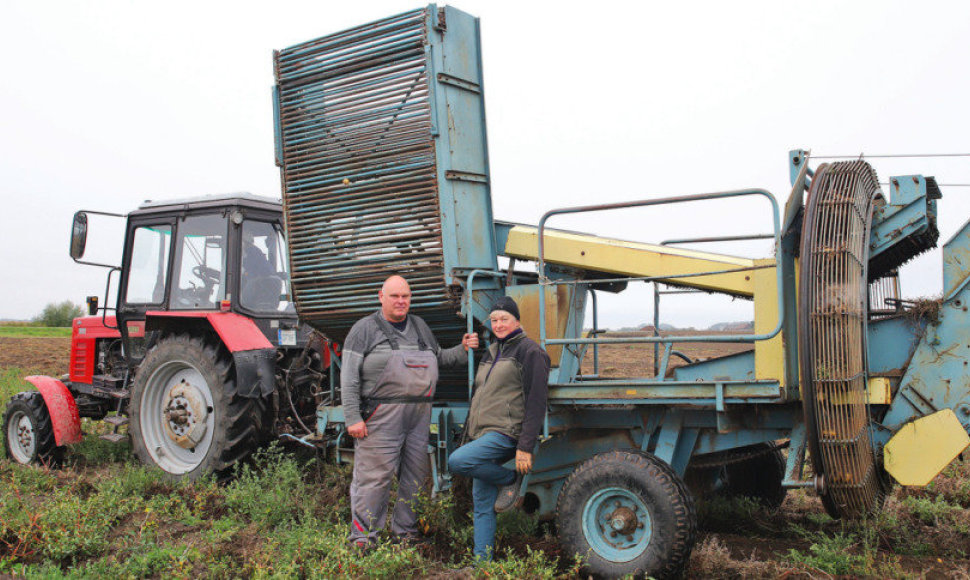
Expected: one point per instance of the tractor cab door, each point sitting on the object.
(199, 272)
(144, 278)
(264, 281)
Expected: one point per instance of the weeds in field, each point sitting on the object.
(837, 554)
(276, 518)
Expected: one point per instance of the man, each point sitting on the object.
(507, 409)
(388, 374)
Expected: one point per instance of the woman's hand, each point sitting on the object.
(523, 461)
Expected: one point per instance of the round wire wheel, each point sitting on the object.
(833, 309)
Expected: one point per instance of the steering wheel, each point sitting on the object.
(208, 275)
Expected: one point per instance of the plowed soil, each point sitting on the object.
(49, 356)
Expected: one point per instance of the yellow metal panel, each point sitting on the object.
(880, 391)
(923, 448)
(633, 259)
(557, 313)
(769, 355)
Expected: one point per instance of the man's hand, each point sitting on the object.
(470, 341)
(358, 430)
(523, 461)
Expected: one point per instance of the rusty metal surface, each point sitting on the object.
(833, 317)
(359, 173)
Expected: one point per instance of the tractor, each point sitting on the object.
(203, 356)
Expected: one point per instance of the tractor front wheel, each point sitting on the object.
(627, 512)
(30, 432)
(184, 418)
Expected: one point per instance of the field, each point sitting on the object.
(286, 514)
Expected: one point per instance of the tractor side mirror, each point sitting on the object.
(79, 234)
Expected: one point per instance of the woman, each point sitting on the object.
(507, 409)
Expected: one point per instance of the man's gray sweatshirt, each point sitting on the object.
(366, 352)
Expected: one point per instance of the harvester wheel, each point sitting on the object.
(183, 418)
(627, 512)
(29, 432)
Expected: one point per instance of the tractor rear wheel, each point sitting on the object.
(29, 431)
(183, 418)
(627, 512)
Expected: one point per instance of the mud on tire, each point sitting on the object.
(183, 418)
(627, 512)
(29, 432)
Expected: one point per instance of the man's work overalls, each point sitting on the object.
(396, 442)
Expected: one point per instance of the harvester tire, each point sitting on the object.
(627, 512)
(758, 478)
(184, 419)
(29, 432)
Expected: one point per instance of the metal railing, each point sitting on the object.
(667, 340)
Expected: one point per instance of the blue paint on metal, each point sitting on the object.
(956, 262)
(458, 104)
(937, 376)
(737, 367)
(605, 529)
(795, 463)
(891, 343)
(911, 212)
(669, 438)
(798, 169)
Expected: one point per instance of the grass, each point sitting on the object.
(18, 331)
(278, 518)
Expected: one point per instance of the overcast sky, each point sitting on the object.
(106, 104)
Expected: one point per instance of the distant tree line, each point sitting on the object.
(59, 314)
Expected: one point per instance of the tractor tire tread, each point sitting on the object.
(240, 415)
(46, 451)
(684, 514)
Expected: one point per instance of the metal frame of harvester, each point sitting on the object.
(382, 148)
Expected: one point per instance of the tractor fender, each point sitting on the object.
(62, 408)
(254, 355)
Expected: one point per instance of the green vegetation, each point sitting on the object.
(59, 314)
(284, 515)
(279, 517)
(10, 330)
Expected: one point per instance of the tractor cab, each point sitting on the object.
(224, 253)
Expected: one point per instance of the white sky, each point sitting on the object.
(105, 104)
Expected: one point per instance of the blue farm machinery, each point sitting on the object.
(382, 146)
(846, 389)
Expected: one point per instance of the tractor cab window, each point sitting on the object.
(200, 263)
(148, 270)
(265, 283)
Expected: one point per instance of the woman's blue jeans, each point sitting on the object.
(482, 460)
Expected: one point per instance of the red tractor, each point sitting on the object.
(203, 358)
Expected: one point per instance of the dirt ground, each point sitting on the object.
(49, 356)
(636, 360)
